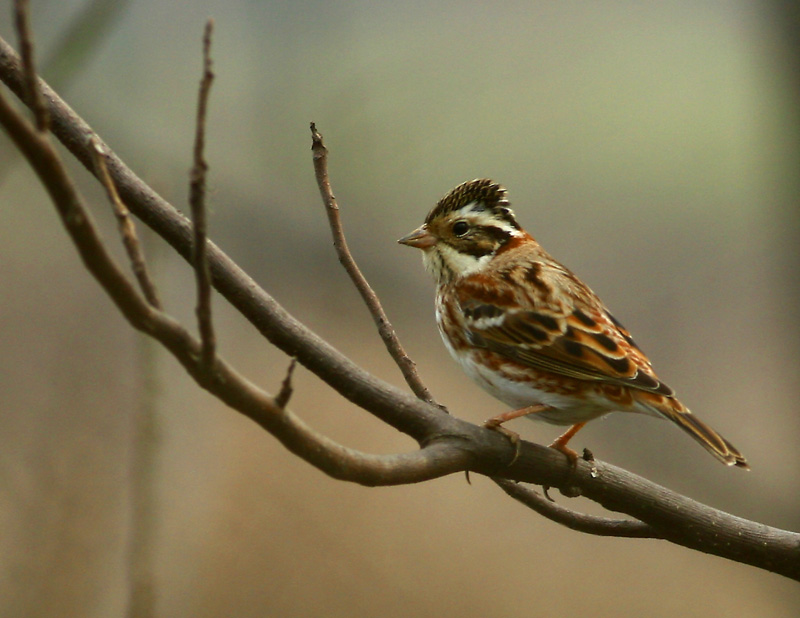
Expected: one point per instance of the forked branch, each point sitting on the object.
(447, 444)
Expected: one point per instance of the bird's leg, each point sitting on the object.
(496, 423)
(560, 443)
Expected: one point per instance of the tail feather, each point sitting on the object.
(714, 443)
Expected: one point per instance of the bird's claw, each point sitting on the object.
(497, 425)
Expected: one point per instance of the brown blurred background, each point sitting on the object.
(650, 147)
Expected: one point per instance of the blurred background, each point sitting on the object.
(651, 147)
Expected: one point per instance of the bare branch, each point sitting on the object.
(197, 197)
(602, 526)
(126, 228)
(388, 403)
(434, 460)
(33, 93)
(448, 444)
(385, 330)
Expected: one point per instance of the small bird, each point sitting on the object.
(530, 332)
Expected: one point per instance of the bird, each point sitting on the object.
(532, 334)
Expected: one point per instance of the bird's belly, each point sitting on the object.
(572, 401)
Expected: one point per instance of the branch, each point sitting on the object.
(385, 330)
(269, 318)
(448, 444)
(197, 199)
(601, 526)
(223, 381)
(33, 95)
(126, 229)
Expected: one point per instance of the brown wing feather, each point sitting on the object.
(569, 334)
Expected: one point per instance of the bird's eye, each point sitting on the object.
(460, 228)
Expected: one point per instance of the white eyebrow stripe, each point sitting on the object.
(478, 214)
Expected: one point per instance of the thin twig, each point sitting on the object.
(126, 228)
(283, 396)
(602, 526)
(385, 329)
(197, 194)
(32, 90)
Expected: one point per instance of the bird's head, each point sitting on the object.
(465, 230)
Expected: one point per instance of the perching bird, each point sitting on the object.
(530, 332)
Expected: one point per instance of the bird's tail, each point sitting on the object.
(714, 443)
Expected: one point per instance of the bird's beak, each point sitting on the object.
(420, 238)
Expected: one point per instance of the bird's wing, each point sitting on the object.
(563, 329)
